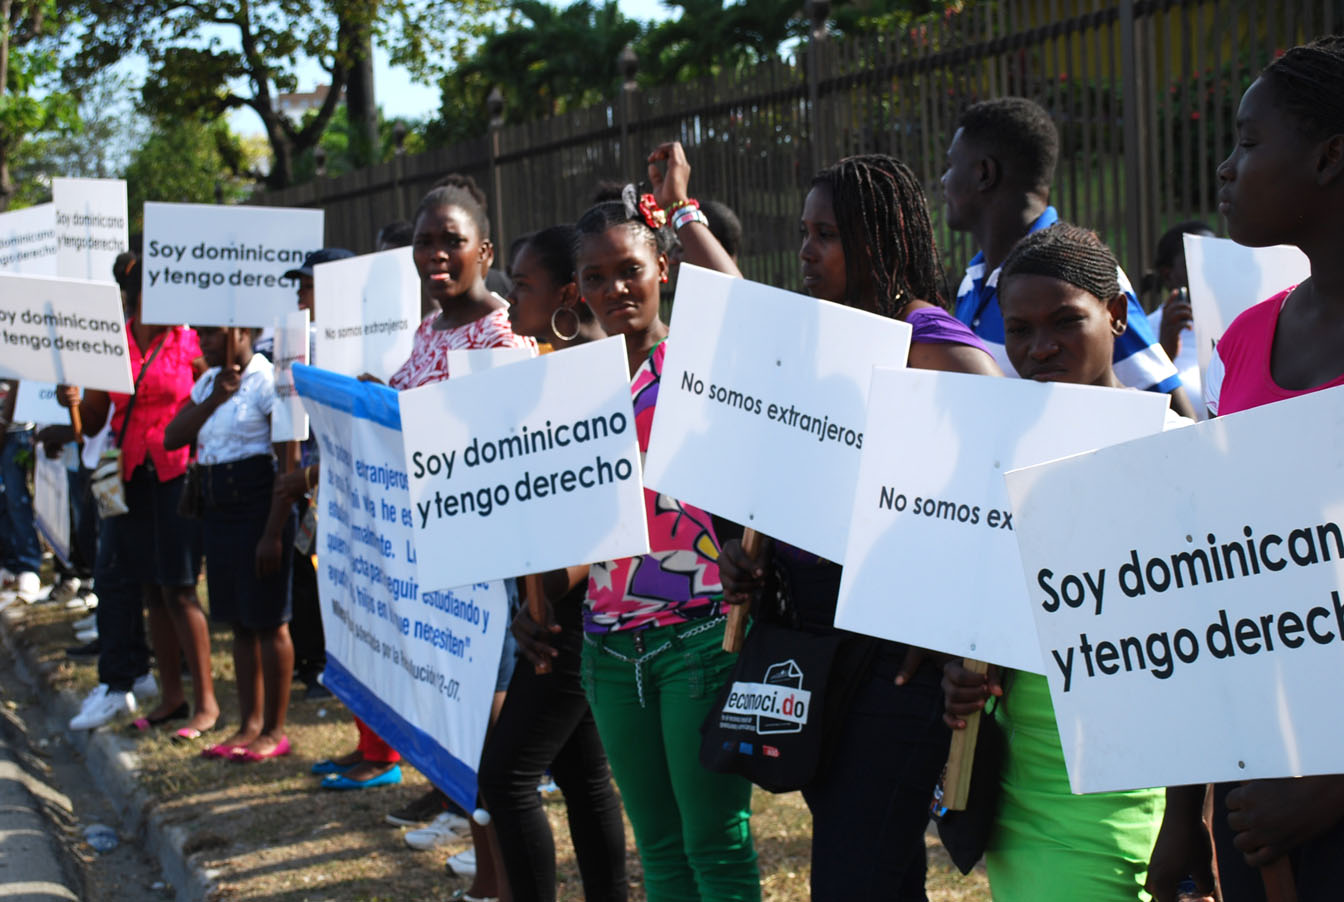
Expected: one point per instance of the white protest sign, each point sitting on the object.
(37, 404)
(1227, 278)
(932, 557)
(525, 468)
(51, 502)
(761, 410)
(289, 422)
(465, 361)
(1188, 584)
(418, 665)
(63, 330)
(28, 241)
(212, 265)
(366, 309)
(91, 226)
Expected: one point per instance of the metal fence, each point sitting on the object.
(1144, 95)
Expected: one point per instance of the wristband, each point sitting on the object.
(682, 204)
(688, 215)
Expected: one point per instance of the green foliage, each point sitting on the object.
(185, 160)
(29, 105)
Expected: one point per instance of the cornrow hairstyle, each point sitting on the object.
(1019, 134)
(724, 225)
(457, 190)
(1172, 243)
(1070, 254)
(883, 221)
(609, 214)
(1309, 82)
(554, 250)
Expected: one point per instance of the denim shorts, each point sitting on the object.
(236, 504)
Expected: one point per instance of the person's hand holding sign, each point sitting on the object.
(227, 381)
(742, 576)
(965, 692)
(1272, 817)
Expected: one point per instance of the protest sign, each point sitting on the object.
(366, 310)
(760, 415)
(28, 241)
(51, 502)
(932, 557)
(1227, 278)
(1189, 584)
(464, 362)
(524, 468)
(289, 423)
(37, 404)
(63, 330)
(211, 265)
(417, 664)
(91, 226)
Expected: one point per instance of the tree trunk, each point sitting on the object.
(360, 106)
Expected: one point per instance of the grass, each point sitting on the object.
(268, 833)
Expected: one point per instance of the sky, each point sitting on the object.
(402, 98)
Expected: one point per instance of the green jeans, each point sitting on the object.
(692, 826)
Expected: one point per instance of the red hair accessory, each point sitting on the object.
(655, 217)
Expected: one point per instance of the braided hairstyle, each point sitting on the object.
(883, 220)
(1309, 82)
(554, 250)
(461, 191)
(1070, 254)
(611, 213)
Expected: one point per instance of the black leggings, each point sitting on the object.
(545, 722)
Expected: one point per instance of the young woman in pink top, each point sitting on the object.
(1283, 184)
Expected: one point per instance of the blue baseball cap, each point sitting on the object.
(325, 255)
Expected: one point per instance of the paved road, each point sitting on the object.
(32, 865)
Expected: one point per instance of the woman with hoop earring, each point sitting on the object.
(545, 723)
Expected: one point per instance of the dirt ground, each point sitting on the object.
(267, 832)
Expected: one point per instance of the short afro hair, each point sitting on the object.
(1019, 134)
(724, 225)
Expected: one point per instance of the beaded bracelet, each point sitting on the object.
(688, 215)
(681, 204)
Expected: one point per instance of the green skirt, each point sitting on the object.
(1049, 844)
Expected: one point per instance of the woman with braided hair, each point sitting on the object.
(1282, 184)
(867, 243)
(1063, 309)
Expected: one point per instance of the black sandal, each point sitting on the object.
(145, 724)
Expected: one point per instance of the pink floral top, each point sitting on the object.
(678, 580)
(428, 362)
(164, 390)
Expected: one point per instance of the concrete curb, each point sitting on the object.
(112, 765)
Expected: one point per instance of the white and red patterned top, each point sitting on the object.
(428, 362)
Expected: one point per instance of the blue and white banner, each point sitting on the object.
(417, 665)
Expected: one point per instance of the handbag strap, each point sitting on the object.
(135, 390)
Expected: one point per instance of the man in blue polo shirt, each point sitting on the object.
(997, 187)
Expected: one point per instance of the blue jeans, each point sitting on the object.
(19, 550)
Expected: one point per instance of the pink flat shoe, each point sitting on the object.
(222, 751)
(242, 753)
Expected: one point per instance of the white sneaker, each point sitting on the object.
(86, 602)
(85, 636)
(28, 586)
(463, 864)
(445, 828)
(102, 707)
(146, 686)
(85, 623)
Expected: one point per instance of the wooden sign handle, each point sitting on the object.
(536, 607)
(961, 753)
(735, 630)
(1280, 886)
(77, 424)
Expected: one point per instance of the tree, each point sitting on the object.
(186, 160)
(209, 57)
(28, 60)
(710, 36)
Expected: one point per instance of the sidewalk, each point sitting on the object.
(265, 831)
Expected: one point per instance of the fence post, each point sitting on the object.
(494, 105)
(817, 11)
(1136, 194)
(628, 63)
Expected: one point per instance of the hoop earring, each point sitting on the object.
(558, 334)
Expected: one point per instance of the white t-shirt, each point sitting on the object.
(241, 426)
